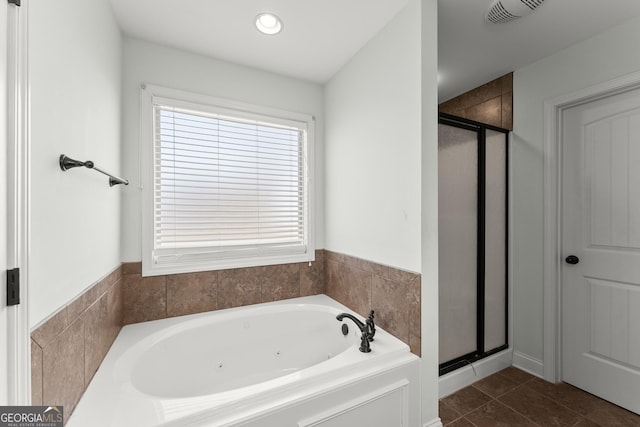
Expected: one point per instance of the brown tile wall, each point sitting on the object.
(159, 297)
(67, 349)
(359, 284)
(394, 294)
(491, 103)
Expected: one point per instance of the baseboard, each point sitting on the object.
(463, 377)
(433, 423)
(528, 364)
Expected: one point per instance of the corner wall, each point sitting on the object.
(609, 55)
(372, 145)
(429, 218)
(74, 76)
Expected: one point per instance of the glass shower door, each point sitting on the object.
(472, 173)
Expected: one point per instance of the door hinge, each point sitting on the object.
(13, 286)
(16, 2)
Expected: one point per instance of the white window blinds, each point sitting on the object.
(227, 187)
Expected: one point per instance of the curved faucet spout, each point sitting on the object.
(358, 323)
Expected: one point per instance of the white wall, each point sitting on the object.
(146, 62)
(382, 164)
(607, 56)
(429, 200)
(75, 68)
(372, 154)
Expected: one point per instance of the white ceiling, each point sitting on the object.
(320, 36)
(472, 51)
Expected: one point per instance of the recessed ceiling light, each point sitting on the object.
(268, 23)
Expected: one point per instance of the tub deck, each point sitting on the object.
(229, 367)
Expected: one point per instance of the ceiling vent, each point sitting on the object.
(507, 10)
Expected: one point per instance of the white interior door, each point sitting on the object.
(601, 229)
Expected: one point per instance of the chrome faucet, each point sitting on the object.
(368, 329)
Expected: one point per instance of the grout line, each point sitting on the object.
(470, 422)
(519, 413)
(486, 394)
(558, 403)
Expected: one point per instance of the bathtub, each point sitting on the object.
(276, 364)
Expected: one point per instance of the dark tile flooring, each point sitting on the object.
(514, 398)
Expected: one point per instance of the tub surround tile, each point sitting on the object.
(131, 268)
(402, 276)
(97, 336)
(349, 286)
(36, 374)
(336, 256)
(415, 344)
(51, 328)
(312, 277)
(63, 373)
(192, 293)
(368, 266)
(364, 285)
(145, 298)
(102, 287)
(239, 287)
(387, 297)
(76, 307)
(115, 310)
(415, 301)
(279, 282)
(68, 347)
(90, 323)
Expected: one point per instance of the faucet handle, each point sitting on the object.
(371, 325)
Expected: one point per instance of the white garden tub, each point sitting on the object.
(280, 364)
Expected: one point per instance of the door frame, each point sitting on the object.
(552, 236)
(18, 351)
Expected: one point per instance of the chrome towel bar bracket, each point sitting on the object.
(68, 163)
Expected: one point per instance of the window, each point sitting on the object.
(225, 184)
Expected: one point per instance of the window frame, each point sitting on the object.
(151, 95)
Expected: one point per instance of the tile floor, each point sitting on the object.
(514, 398)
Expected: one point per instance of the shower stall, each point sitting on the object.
(473, 240)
